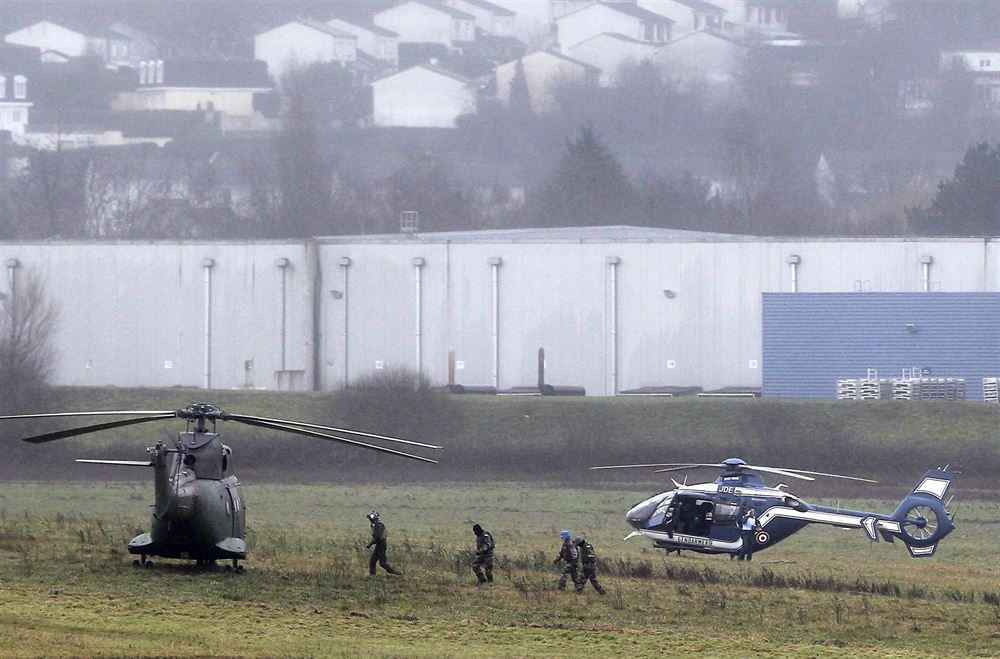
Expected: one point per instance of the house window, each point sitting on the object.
(779, 14)
(984, 64)
(650, 31)
(3, 86)
(697, 21)
(20, 87)
(159, 71)
(767, 15)
(143, 76)
(18, 116)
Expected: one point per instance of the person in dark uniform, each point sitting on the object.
(748, 526)
(379, 541)
(588, 566)
(571, 557)
(483, 565)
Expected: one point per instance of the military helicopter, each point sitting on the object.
(199, 510)
(703, 517)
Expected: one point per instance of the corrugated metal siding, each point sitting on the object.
(810, 340)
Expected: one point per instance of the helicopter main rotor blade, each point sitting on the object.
(347, 431)
(678, 465)
(344, 440)
(107, 413)
(818, 473)
(124, 463)
(780, 472)
(72, 432)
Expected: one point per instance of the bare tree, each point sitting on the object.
(27, 325)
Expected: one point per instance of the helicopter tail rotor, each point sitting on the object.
(922, 518)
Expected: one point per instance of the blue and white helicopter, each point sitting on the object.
(704, 517)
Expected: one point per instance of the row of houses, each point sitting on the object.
(428, 62)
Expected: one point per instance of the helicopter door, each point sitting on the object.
(235, 508)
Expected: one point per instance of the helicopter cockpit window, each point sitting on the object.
(661, 510)
(726, 513)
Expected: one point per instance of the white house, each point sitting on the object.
(489, 17)
(416, 21)
(112, 47)
(984, 68)
(629, 20)
(224, 86)
(706, 59)
(688, 15)
(17, 63)
(757, 18)
(545, 72)
(424, 96)
(301, 43)
(609, 52)
(380, 43)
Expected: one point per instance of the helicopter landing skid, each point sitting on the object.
(142, 562)
(236, 568)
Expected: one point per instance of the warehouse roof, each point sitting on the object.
(617, 233)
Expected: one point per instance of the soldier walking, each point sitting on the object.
(571, 557)
(379, 541)
(588, 562)
(483, 565)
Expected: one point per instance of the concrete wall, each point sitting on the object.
(133, 314)
(687, 311)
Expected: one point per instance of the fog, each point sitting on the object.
(818, 118)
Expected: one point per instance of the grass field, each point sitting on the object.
(67, 587)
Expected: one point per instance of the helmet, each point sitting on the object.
(564, 535)
(477, 529)
(373, 516)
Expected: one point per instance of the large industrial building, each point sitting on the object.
(613, 308)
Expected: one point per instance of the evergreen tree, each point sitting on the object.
(304, 177)
(969, 203)
(520, 96)
(589, 187)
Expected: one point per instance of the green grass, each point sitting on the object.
(548, 439)
(67, 587)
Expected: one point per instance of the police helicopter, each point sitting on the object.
(704, 517)
(199, 510)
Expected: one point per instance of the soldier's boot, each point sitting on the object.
(480, 577)
(489, 577)
(599, 587)
(562, 582)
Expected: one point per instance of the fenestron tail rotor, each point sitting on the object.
(201, 412)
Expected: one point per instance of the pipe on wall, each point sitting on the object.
(611, 385)
(282, 264)
(495, 262)
(207, 265)
(793, 261)
(926, 261)
(418, 266)
(345, 264)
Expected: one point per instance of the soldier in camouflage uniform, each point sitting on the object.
(483, 565)
(588, 561)
(571, 557)
(379, 541)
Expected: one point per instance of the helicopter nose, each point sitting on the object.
(637, 515)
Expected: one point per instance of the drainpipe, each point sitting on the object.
(926, 261)
(793, 261)
(495, 262)
(12, 265)
(611, 385)
(345, 263)
(418, 266)
(282, 264)
(207, 265)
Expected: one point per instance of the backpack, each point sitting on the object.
(587, 553)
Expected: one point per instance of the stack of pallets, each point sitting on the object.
(991, 390)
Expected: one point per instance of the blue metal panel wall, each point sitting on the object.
(813, 339)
